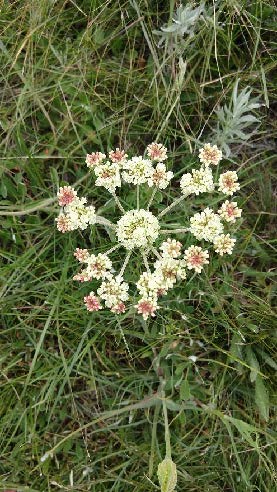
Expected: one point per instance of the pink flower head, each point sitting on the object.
(229, 211)
(146, 307)
(196, 258)
(228, 182)
(94, 159)
(63, 223)
(82, 277)
(92, 302)
(66, 195)
(117, 155)
(171, 248)
(210, 154)
(157, 152)
(81, 254)
(119, 308)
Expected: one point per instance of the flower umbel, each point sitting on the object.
(140, 231)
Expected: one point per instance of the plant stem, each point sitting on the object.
(112, 249)
(137, 197)
(152, 198)
(125, 264)
(118, 203)
(174, 231)
(166, 426)
(103, 221)
(146, 262)
(173, 204)
(156, 253)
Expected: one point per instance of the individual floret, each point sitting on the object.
(157, 152)
(113, 291)
(98, 265)
(170, 269)
(224, 244)
(81, 254)
(198, 181)
(229, 211)
(160, 177)
(228, 183)
(171, 248)
(137, 229)
(94, 159)
(151, 285)
(206, 225)
(119, 308)
(92, 302)
(137, 170)
(147, 307)
(66, 195)
(108, 176)
(118, 156)
(210, 154)
(80, 215)
(64, 223)
(82, 276)
(195, 258)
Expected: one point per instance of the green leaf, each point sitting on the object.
(244, 429)
(184, 390)
(3, 190)
(253, 363)
(262, 398)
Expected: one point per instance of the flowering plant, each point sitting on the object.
(141, 230)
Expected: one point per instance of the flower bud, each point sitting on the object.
(167, 475)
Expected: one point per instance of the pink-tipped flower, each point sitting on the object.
(224, 244)
(64, 224)
(195, 258)
(82, 277)
(92, 302)
(119, 308)
(147, 307)
(228, 183)
(66, 195)
(94, 159)
(117, 155)
(171, 248)
(81, 254)
(229, 211)
(157, 152)
(210, 154)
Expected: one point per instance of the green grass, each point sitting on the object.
(78, 76)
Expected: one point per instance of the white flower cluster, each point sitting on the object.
(97, 267)
(141, 232)
(210, 155)
(198, 181)
(137, 229)
(137, 170)
(206, 225)
(75, 214)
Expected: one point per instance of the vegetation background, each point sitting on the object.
(78, 76)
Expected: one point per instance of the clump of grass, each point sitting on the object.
(76, 77)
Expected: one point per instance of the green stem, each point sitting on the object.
(118, 203)
(125, 264)
(137, 197)
(105, 222)
(112, 249)
(166, 426)
(174, 231)
(152, 198)
(156, 253)
(173, 204)
(146, 262)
